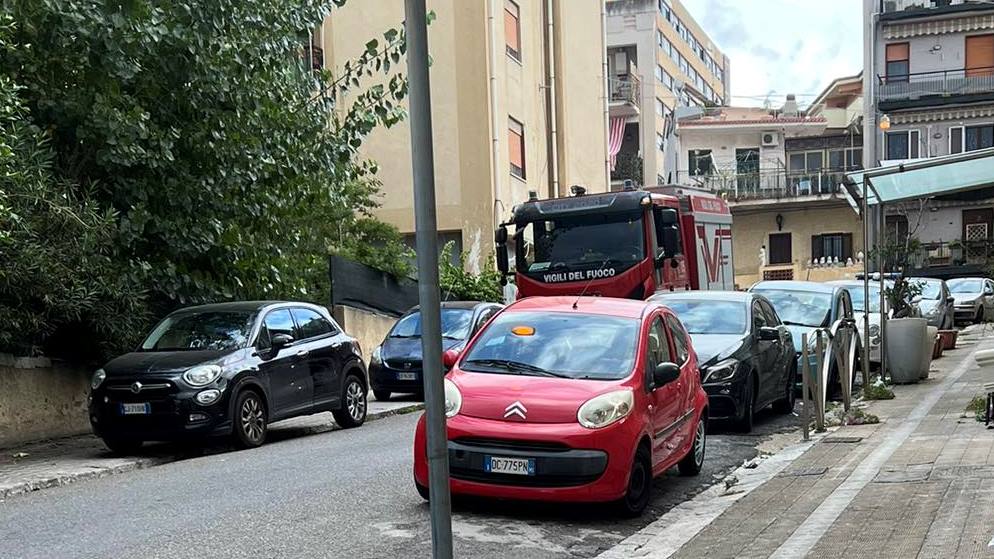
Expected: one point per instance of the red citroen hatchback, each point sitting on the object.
(576, 400)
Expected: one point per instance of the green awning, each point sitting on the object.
(921, 179)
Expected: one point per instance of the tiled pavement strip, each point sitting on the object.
(919, 484)
(60, 461)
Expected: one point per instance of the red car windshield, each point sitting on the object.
(570, 345)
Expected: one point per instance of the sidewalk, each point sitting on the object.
(61, 461)
(918, 484)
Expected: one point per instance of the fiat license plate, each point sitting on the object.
(407, 376)
(136, 409)
(504, 465)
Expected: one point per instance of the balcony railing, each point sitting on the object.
(625, 89)
(892, 6)
(904, 87)
(768, 185)
(955, 253)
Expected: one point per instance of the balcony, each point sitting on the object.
(624, 91)
(903, 9)
(950, 259)
(942, 87)
(769, 185)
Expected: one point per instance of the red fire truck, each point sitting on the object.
(628, 244)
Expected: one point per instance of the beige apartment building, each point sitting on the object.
(518, 105)
(659, 59)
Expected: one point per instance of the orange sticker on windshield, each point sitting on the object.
(523, 331)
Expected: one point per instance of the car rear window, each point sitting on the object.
(573, 345)
(709, 316)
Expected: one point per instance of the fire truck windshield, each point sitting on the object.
(570, 248)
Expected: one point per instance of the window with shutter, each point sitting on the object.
(898, 65)
(980, 56)
(512, 29)
(780, 248)
(516, 147)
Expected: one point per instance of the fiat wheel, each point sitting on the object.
(352, 411)
(250, 420)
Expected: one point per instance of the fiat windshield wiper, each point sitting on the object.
(516, 367)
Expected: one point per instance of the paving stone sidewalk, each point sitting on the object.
(918, 484)
(57, 462)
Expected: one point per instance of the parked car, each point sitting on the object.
(746, 354)
(973, 299)
(395, 365)
(935, 303)
(572, 399)
(806, 306)
(855, 289)
(229, 369)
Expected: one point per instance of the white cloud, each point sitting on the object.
(783, 46)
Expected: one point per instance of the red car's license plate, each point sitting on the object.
(505, 465)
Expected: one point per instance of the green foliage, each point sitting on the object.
(877, 390)
(978, 406)
(205, 158)
(460, 284)
(56, 268)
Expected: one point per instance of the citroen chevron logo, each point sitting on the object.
(517, 408)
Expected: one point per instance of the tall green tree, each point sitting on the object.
(228, 163)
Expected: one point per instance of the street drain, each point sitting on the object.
(842, 439)
(910, 474)
(804, 472)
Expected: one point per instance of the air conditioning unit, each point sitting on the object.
(769, 139)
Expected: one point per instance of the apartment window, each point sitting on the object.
(969, 138)
(660, 107)
(516, 147)
(659, 38)
(684, 66)
(512, 29)
(667, 79)
(845, 159)
(667, 46)
(708, 92)
(660, 142)
(664, 8)
(700, 162)
(897, 62)
(903, 144)
(780, 249)
(659, 73)
(979, 137)
(832, 245)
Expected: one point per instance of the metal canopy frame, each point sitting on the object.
(861, 193)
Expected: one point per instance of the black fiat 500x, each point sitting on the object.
(229, 369)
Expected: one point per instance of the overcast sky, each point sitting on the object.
(784, 46)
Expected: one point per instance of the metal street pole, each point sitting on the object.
(866, 294)
(426, 236)
(883, 286)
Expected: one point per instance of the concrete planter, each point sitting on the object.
(949, 338)
(906, 347)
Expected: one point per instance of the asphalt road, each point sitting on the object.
(345, 494)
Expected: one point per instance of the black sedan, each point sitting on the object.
(229, 369)
(746, 355)
(395, 365)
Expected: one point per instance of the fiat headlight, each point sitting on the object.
(98, 379)
(605, 409)
(453, 398)
(377, 357)
(720, 372)
(202, 375)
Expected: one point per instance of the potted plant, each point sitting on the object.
(909, 348)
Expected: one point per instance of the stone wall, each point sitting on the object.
(40, 399)
(366, 326)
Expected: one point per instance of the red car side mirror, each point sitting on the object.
(449, 358)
